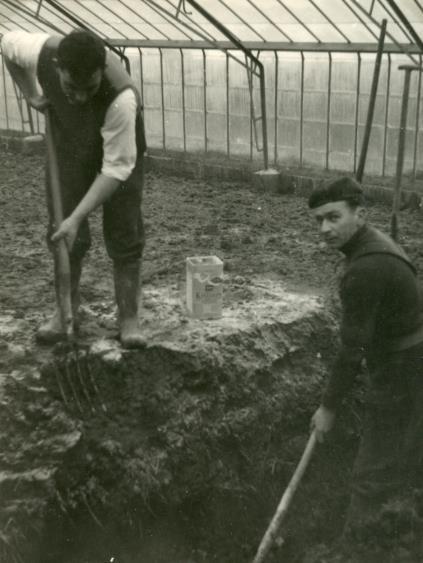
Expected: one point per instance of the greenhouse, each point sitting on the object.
(224, 378)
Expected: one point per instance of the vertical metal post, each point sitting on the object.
(328, 111)
(184, 129)
(30, 118)
(302, 108)
(372, 103)
(227, 108)
(250, 90)
(141, 75)
(357, 107)
(205, 99)
(20, 108)
(238, 44)
(264, 118)
(276, 106)
(385, 133)
(162, 95)
(416, 132)
(253, 130)
(5, 93)
(401, 148)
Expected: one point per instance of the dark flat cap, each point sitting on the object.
(342, 189)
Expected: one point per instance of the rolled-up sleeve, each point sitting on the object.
(118, 132)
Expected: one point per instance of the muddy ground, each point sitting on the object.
(255, 234)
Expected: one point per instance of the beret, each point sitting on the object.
(342, 189)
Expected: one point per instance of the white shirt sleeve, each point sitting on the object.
(23, 48)
(118, 132)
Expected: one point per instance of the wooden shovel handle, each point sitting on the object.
(61, 254)
(281, 511)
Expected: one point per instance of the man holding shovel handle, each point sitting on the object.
(382, 325)
(95, 115)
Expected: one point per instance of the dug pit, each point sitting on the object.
(177, 452)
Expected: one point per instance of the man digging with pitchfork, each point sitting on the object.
(95, 114)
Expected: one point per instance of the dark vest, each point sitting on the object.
(77, 128)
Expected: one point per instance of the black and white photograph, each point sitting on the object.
(211, 281)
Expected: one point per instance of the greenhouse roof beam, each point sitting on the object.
(101, 19)
(117, 15)
(268, 46)
(252, 69)
(250, 27)
(160, 9)
(169, 18)
(226, 32)
(406, 23)
(142, 18)
(279, 20)
(269, 20)
(19, 8)
(298, 20)
(207, 42)
(392, 16)
(327, 18)
(25, 17)
(374, 21)
(365, 24)
(81, 24)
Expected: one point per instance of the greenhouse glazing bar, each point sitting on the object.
(274, 93)
(416, 131)
(81, 24)
(328, 112)
(29, 16)
(278, 47)
(385, 132)
(394, 48)
(254, 60)
(357, 108)
(406, 23)
(331, 22)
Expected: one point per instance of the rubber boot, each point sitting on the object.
(127, 289)
(52, 331)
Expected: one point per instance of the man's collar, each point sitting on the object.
(355, 241)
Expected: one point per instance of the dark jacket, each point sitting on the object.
(381, 305)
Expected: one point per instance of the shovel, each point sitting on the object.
(61, 254)
(281, 511)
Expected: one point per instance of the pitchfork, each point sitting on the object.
(77, 384)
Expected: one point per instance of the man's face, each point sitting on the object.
(79, 92)
(338, 222)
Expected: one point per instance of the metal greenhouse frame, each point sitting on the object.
(286, 26)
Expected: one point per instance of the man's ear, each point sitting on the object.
(362, 213)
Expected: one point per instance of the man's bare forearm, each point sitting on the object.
(101, 189)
